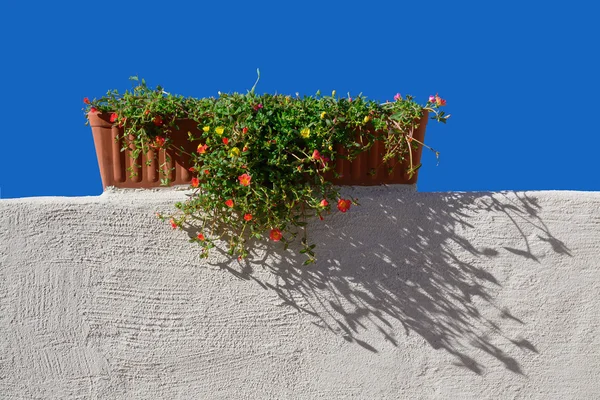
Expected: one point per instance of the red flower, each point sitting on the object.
(113, 117)
(344, 205)
(159, 141)
(86, 100)
(206, 172)
(245, 149)
(202, 148)
(245, 130)
(316, 155)
(157, 120)
(244, 179)
(229, 203)
(247, 217)
(93, 110)
(146, 112)
(192, 169)
(173, 223)
(225, 141)
(324, 203)
(275, 235)
(195, 182)
(201, 237)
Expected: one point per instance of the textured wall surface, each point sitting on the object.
(415, 295)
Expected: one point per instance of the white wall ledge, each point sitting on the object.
(414, 295)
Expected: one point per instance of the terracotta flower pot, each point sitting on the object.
(119, 170)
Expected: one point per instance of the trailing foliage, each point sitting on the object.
(261, 161)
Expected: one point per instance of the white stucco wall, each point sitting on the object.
(415, 295)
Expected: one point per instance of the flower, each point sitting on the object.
(324, 203)
(366, 119)
(225, 141)
(431, 99)
(206, 172)
(245, 179)
(244, 130)
(439, 101)
(159, 141)
(305, 133)
(333, 93)
(113, 117)
(245, 149)
(234, 152)
(219, 130)
(157, 120)
(173, 223)
(316, 155)
(93, 110)
(202, 148)
(229, 203)
(343, 205)
(258, 107)
(275, 235)
(86, 100)
(247, 217)
(195, 182)
(206, 129)
(192, 169)
(201, 237)
(397, 97)
(323, 114)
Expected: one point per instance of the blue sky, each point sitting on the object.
(521, 78)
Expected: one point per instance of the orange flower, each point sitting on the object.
(159, 141)
(244, 179)
(195, 182)
(439, 101)
(229, 203)
(344, 205)
(86, 100)
(201, 237)
(275, 235)
(202, 148)
(113, 117)
(247, 217)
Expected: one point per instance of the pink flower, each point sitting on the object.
(229, 203)
(275, 235)
(258, 107)
(244, 179)
(397, 97)
(324, 203)
(344, 205)
(431, 99)
(316, 155)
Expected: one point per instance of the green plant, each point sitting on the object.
(261, 160)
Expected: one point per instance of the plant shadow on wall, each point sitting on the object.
(407, 261)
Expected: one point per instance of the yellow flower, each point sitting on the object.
(367, 119)
(219, 130)
(234, 152)
(330, 147)
(206, 128)
(323, 114)
(333, 93)
(305, 133)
